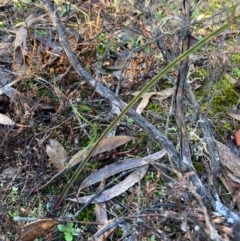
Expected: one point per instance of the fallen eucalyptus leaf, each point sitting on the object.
(57, 154)
(116, 190)
(107, 144)
(34, 230)
(146, 97)
(102, 217)
(118, 167)
(4, 120)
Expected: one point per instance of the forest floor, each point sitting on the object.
(132, 188)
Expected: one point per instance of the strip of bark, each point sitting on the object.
(181, 81)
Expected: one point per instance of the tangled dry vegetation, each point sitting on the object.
(167, 171)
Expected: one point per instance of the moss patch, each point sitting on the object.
(224, 96)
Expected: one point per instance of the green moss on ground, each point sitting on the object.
(225, 96)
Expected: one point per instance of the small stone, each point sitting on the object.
(11, 172)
